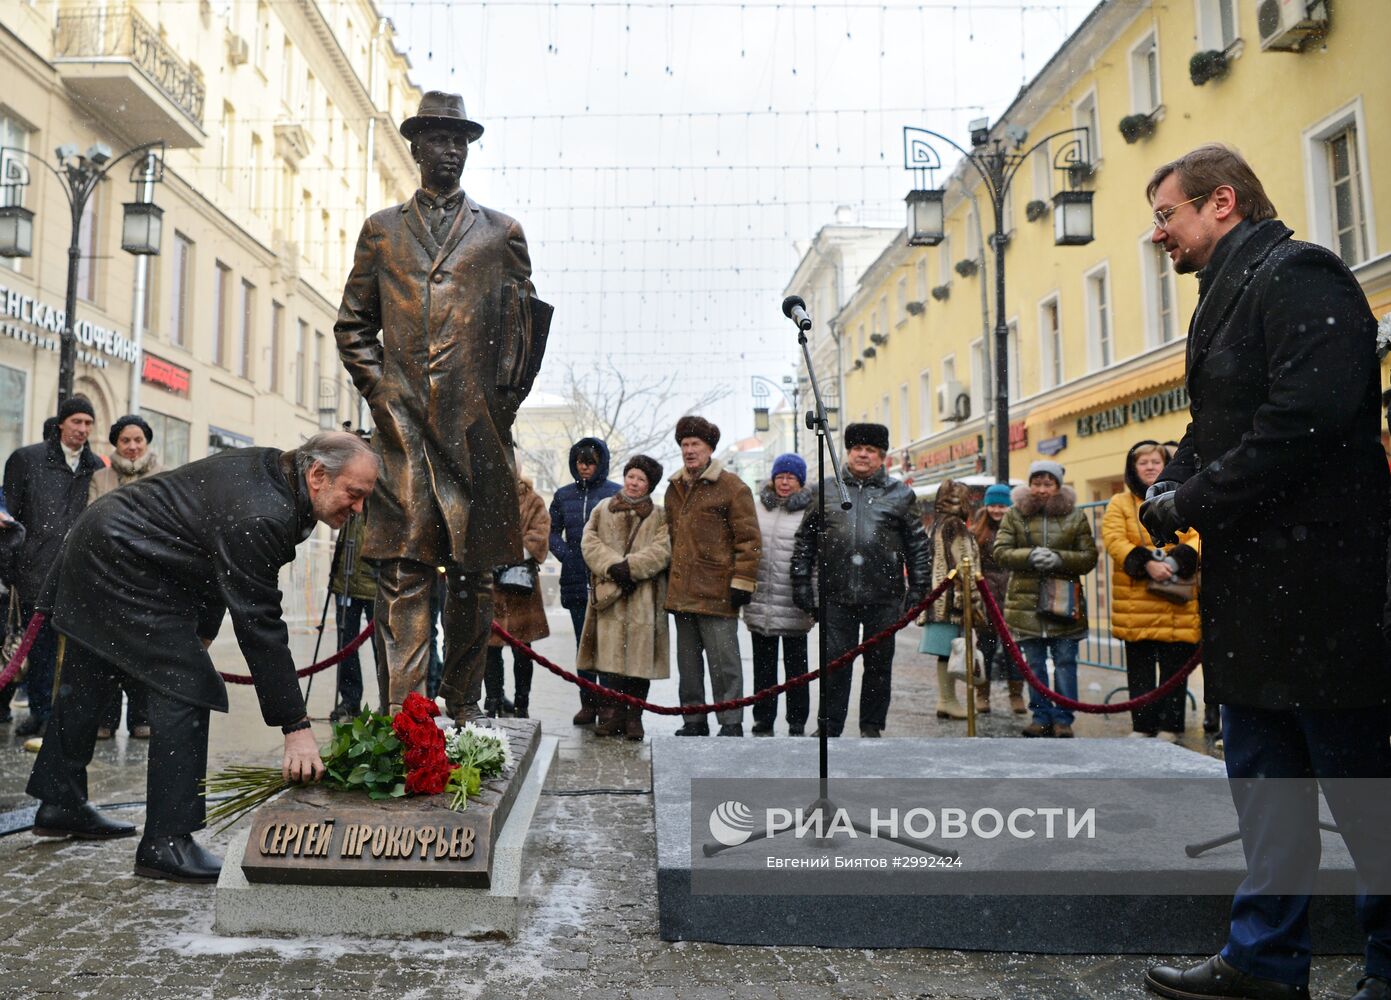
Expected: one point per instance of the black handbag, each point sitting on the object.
(519, 578)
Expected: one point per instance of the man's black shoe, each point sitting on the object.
(796, 730)
(694, 729)
(830, 735)
(1373, 988)
(31, 726)
(1217, 980)
(732, 729)
(870, 732)
(178, 859)
(85, 822)
(762, 729)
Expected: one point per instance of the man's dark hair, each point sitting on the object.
(1203, 170)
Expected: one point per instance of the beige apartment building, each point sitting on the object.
(280, 119)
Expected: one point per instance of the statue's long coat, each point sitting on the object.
(461, 342)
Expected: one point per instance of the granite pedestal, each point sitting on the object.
(479, 907)
(1136, 892)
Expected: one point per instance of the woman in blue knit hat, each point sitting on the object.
(772, 616)
(985, 525)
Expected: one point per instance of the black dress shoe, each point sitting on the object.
(870, 732)
(762, 729)
(178, 859)
(85, 822)
(732, 729)
(1373, 988)
(1217, 980)
(796, 730)
(31, 726)
(694, 729)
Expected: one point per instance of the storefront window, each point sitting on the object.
(11, 411)
(171, 437)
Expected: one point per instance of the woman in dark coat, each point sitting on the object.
(570, 510)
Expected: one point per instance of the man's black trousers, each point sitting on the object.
(847, 625)
(178, 746)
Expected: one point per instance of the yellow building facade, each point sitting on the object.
(1097, 332)
(281, 126)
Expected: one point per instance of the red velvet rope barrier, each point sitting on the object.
(27, 643)
(992, 609)
(721, 706)
(313, 668)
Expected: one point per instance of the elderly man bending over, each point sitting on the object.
(145, 577)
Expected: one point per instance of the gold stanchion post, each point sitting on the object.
(966, 578)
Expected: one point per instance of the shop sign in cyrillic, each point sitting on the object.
(1137, 411)
(953, 452)
(165, 374)
(1052, 445)
(38, 318)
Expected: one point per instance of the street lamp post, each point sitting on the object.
(78, 175)
(760, 413)
(997, 161)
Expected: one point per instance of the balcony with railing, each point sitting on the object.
(115, 62)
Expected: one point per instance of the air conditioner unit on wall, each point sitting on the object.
(238, 51)
(953, 402)
(1290, 24)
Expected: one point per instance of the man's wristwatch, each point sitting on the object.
(296, 727)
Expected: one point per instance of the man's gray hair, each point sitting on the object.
(334, 450)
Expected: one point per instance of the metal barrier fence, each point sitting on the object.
(1098, 649)
(303, 584)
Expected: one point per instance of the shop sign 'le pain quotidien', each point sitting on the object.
(1137, 411)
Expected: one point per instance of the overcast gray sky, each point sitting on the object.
(665, 156)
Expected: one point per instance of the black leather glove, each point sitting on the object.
(620, 574)
(738, 598)
(1159, 513)
(912, 599)
(804, 599)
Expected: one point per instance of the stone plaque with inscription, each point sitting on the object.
(322, 836)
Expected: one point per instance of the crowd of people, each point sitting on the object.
(713, 552)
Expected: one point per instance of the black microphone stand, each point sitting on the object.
(818, 420)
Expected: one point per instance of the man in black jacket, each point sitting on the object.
(869, 547)
(46, 487)
(141, 588)
(1282, 472)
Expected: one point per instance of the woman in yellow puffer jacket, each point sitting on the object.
(1159, 635)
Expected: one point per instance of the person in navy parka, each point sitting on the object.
(570, 509)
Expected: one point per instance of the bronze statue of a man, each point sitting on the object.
(447, 285)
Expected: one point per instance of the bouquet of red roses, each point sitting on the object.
(427, 766)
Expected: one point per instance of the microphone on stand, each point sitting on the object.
(796, 310)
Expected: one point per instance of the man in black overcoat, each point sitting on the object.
(1282, 472)
(46, 487)
(142, 585)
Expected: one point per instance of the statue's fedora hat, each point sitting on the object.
(440, 109)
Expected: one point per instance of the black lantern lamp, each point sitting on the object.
(926, 217)
(761, 423)
(16, 231)
(141, 228)
(1072, 218)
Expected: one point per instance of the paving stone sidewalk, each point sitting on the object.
(75, 921)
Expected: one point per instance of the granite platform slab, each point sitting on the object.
(247, 908)
(739, 860)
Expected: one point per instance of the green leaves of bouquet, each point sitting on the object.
(365, 756)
